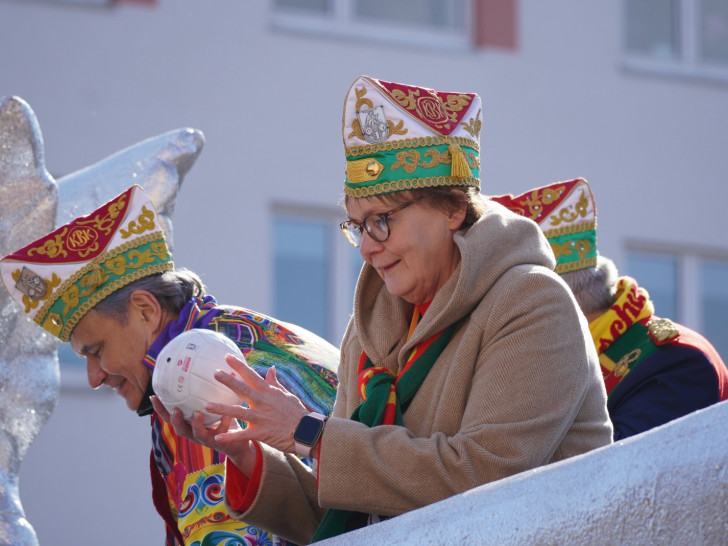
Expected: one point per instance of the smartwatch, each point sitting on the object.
(308, 432)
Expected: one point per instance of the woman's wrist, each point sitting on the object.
(245, 459)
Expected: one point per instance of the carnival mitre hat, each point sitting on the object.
(567, 214)
(60, 277)
(401, 137)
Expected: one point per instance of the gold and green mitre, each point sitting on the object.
(567, 214)
(401, 137)
(58, 278)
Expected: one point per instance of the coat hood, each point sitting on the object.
(499, 241)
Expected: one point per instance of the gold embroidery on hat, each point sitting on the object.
(431, 106)
(51, 247)
(579, 246)
(98, 262)
(473, 126)
(570, 228)
(363, 170)
(106, 223)
(535, 201)
(565, 214)
(370, 149)
(106, 290)
(144, 222)
(411, 184)
(436, 158)
(407, 160)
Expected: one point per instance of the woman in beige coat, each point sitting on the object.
(466, 359)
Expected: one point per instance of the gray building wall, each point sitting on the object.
(561, 105)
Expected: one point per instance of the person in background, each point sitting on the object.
(655, 370)
(454, 371)
(106, 283)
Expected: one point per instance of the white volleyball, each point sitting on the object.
(184, 375)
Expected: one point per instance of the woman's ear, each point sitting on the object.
(457, 217)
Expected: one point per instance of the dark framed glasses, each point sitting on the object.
(376, 225)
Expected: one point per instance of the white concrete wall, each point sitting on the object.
(666, 486)
(269, 103)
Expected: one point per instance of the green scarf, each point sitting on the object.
(385, 398)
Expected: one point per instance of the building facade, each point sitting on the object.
(631, 95)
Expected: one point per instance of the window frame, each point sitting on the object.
(687, 64)
(688, 259)
(340, 262)
(343, 24)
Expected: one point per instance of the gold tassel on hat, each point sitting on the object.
(460, 168)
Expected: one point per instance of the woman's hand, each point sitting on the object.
(272, 413)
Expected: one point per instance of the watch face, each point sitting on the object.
(308, 431)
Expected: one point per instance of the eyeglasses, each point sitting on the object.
(376, 225)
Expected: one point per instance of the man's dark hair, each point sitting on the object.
(172, 289)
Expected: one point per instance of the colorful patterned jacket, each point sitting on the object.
(188, 479)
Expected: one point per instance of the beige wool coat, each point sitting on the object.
(518, 386)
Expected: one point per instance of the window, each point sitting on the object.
(315, 271)
(687, 285)
(434, 23)
(657, 273)
(683, 37)
(714, 303)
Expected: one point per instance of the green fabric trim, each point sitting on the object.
(574, 250)
(413, 168)
(77, 297)
(636, 337)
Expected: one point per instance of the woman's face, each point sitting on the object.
(419, 255)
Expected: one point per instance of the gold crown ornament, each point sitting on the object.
(61, 276)
(567, 214)
(401, 137)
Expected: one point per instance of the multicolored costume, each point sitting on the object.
(655, 370)
(58, 279)
(188, 479)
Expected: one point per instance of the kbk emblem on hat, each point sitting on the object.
(402, 137)
(60, 277)
(566, 213)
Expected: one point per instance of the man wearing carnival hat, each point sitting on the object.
(106, 283)
(655, 370)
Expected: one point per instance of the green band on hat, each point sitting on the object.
(101, 277)
(574, 251)
(402, 168)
